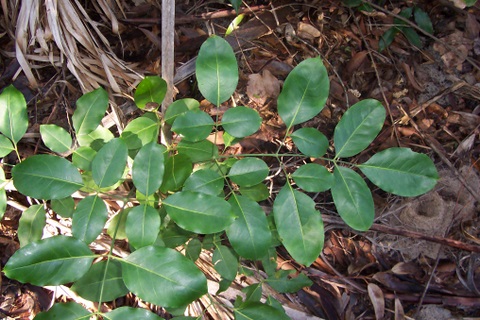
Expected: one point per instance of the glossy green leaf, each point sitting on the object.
(50, 262)
(96, 139)
(241, 121)
(193, 125)
(3, 194)
(358, 127)
(163, 276)
(143, 225)
(216, 70)
(310, 142)
(46, 177)
(109, 163)
(256, 193)
(257, 310)
(299, 225)
(193, 249)
(65, 311)
(177, 169)
(117, 225)
(127, 313)
(63, 207)
(148, 168)
(150, 89)
(313, 177)
(205, 181)
(180, 107)
(283, 284)
(140, 132)
(387, 38)
(103, 278)
(6, 146)
(89, 218)
(198, 151)
(82, 158)
(401, 171)
(31, 224)
(225, 262)
(91, 108)
(304, 92)
(423, 20)
(199, 212)
(56, 138)
(13, 114)
(248, 171)
(249, 234)
(353, 199)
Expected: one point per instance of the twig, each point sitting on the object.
(168, 63)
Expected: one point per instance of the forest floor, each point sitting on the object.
(421, 259)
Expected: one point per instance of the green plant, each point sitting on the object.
(189, 194)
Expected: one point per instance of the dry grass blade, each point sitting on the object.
(27, 19)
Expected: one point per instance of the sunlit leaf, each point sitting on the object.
(310, 142)
(91, 108)
(143, 225)
(150, 89)
(56, 138)
(299, 225)
(401, 171)
(140, 132)
(13, 114)
(89, 218)
(6, 146)
(241, 121)
(82, 158)
(52, 261)
(304, 92)
(235, 22)
(124, 313)
(46, 177)
(148, 168)
(205, 181)
(163, 276)
(313, 177)
(198, 151)
(216, 70)
(117, 225)
(193, 125)
(65, 311)
(109, 163)
(199, 212)
(96, 139)
(353, 199)
(31, 224)
(248, 172)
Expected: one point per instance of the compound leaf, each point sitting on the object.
(148, 168)
(163, 276)
(248, 172)
(89, 218)
(241, 121)
(56, 138)
(313, 177)
(193, 125)
(13, 114)
(401, 171)
(150, 89)
(65, 311)
(32, 222)
(310, 142)
(91, 108)
(143, 225)
(46, 177)
(109, 163)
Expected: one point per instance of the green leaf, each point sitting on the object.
(117, 225)
(299, 225)
(313, 177)
(127, 313)
(180, 107)
(56, 138)
(401, 171)
(89, 218)
(103, 278)
(423, 20)
(257, 310)
(96, 139)
(310, 142)
(31, 224)
(258, 192)
(358, 127)
(353, 199)
(177, 169)
(241, 121)
(283, 284)
(6, 146)
(412, 36)
(205, 181)
(193, 125)
(352, 3)
(249, 234)
(46, 177)
(82, 158)
(229, 140)
(148, 168)
(236, 4)
(143, 225)
(248, 172)
(65, 311)
(163, 276)
(470, 3)
(91, 108)
(236, 21)
(387, 38)
(216, 70)
(109, 163)
(198, 151)
(225, 262)
(304, 92)
(199, 212)
(140, 132)
(63, 207)
(173, 236)
(193, 249)
(150, 89)
(50, 262)
(3, 194)
(13, 114)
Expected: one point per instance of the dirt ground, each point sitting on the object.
(421, 259)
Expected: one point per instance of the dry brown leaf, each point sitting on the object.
(377, 299)
(399, 313)
(263, 86)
